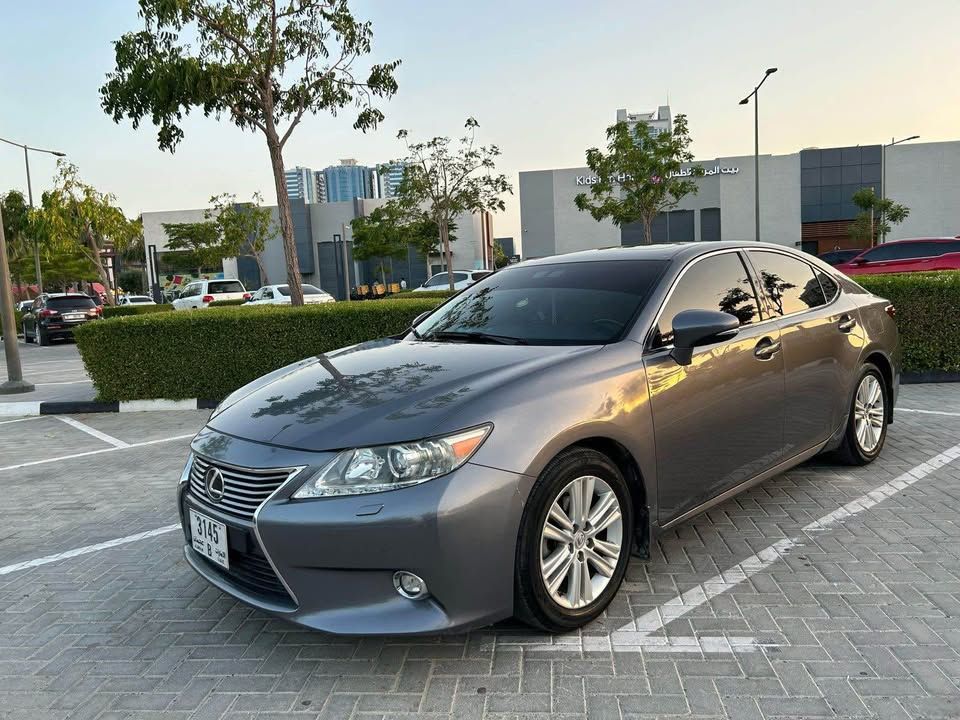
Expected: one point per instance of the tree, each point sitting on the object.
(244, 228)
(16, 223)
(201, 239)
(441, 180)
(75, 217)
(875, 217)
(640, 175)
(381, 234)
(500, 258)
(262, 63)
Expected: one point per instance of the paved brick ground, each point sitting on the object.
(56, 371)
(861, 620)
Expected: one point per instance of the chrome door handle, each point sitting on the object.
(846, 324)
(766, 348)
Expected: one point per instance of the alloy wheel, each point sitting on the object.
(580, 542)
(868, 413)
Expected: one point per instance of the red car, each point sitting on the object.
(915, 255)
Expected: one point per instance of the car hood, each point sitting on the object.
(375, 393)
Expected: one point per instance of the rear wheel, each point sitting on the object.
(574, 541)
(867, 425)
(42, 337)
(26, 338)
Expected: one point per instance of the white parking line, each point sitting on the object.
(95, 452)
(23, 419)
(65, 382)
(929, 412)
(93, 431)
(86, 550)
(696, 596)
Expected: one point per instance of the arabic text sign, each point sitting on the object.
(683, 172)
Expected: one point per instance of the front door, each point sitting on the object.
(718, 421)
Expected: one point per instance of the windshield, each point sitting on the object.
(576, 303)
(307, 290)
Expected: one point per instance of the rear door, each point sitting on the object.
(718, 421)
(821, 338)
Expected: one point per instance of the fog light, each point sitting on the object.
(409, 585)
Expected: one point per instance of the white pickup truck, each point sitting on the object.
(201, 293)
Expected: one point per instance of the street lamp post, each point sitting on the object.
(756, 147)
(883, 168)
(26, 161)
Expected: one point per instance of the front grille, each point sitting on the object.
(243, 490)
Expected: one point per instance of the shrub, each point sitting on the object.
(209, 354)
(126, 310)
(226, 303)
(928, 316)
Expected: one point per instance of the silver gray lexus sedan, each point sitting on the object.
(510, 452)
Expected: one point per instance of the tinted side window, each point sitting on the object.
(788, 283)
(438, 279)
(716, 283)
(828, 284)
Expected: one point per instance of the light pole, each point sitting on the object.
(756, 146)
(26, 161)
(15, 382)
(883, 170)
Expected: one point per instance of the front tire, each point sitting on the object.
(42, 338)
(26, 338)
(867, 424)
(575, 540)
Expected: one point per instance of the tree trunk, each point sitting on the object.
(648, 231)
(286, 217)
(445, 239)
(98, 264)
(264, 280)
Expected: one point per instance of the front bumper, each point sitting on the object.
(334, 558)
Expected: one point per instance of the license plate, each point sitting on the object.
(209, 538)
(73, 316)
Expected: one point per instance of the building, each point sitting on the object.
(658, 121)
(805, 200)
(321, 182)
(319, 229)
(348, 181)
(301, 184)
(388, 178)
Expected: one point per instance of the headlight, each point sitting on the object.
(388, 467)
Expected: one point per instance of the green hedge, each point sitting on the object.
(928, 316)
(209, 354)
(226, 303)
(127, 310)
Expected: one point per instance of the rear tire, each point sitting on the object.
(42, 337)
(569, 569)
(26, 338)
(867, 424)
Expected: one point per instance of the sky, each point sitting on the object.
(544, 78)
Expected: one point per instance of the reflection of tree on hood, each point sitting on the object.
(775, 285)
(331, 395)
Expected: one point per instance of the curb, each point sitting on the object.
(53, 407)
(929, 376)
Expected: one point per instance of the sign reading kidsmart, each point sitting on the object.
(682, 172)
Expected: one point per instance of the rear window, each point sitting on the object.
(225, 286)
(73, 302)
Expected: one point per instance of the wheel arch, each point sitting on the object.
(883, 364)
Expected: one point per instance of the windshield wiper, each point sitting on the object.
(475, 336)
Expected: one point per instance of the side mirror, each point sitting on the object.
(692, 328)
(858, 260)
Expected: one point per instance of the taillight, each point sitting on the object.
(94, 312)
(207, 299)
(247, 296)
(890, 310)
(48, 313)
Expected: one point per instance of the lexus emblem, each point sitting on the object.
(213, 481)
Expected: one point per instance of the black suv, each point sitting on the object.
(56, 315)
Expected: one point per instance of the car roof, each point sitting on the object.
(915, 240)
(661, 251)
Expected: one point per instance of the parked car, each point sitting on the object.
(461, 279)
(201, 293)
(136, 300)
(24, 305)
(914, 255)
(835, 257)
(55, 315)
(508, 453)
(280, 295)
